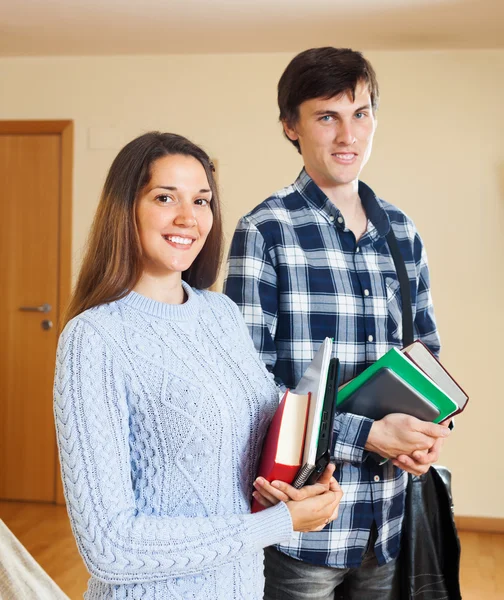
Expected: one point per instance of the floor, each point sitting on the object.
(45, 532)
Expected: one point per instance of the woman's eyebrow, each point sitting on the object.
(172, 188)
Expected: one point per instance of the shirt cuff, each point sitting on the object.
(351, 433)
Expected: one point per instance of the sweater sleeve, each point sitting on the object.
(118, 543)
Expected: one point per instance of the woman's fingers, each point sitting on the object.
(274, 494)
(327, 490)
(314, 513)
(327, 474)
(269, 493)
(262, 500)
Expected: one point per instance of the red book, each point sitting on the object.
(282, 451)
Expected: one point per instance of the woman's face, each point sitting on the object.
(173, 215)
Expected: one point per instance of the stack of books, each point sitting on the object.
(297, 446)
(299, 440)
(410, 381)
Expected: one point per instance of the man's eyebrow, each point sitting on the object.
(172, 188)
(335, 112)
(365, 107)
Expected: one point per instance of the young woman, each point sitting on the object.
(161, 401)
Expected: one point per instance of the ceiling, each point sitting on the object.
(113, 27)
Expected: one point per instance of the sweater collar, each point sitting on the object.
(174, 312)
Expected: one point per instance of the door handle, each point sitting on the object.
(43, 308)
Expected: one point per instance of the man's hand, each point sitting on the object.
(397, 435)
(421, 460)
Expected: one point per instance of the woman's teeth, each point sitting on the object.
(178, 240)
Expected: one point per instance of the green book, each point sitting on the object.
(398, 362)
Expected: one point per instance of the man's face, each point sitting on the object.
(335, 136)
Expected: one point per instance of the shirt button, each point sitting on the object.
(376, 478)
(331, 217)
(370, 338)
(366, 292)
(340, 219)
(357, 249)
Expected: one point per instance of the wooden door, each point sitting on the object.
(31, 224)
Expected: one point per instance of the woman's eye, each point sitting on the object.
(203, 202)
(163, 199)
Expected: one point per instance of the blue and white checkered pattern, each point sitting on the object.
(299, 276)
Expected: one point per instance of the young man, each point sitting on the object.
(312, 261)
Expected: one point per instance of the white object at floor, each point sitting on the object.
(21, 577)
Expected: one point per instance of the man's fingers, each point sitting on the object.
(423, 458)
(406, 463)
(431, 456)
(433, 430)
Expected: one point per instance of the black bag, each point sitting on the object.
(429, 560)
(430, 548)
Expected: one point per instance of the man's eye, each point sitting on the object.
(360, 115)
(326, 118)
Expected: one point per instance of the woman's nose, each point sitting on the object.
(185, 216)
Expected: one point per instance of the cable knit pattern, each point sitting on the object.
(160, 415)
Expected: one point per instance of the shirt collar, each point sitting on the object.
(314, 195)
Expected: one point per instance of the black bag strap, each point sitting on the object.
(404, 283)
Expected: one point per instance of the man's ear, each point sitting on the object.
(290, 132)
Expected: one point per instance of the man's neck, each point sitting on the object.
(346, 198)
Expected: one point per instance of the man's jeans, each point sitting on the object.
(291, 579)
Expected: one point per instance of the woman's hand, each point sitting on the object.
(312, 507)
(315, 513)
(269, 494)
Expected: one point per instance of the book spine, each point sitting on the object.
(448, 374)
(301, 449)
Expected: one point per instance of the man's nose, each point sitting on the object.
(345, 135)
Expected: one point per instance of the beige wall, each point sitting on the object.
(438, 155)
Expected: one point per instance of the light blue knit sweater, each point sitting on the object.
(160, 414)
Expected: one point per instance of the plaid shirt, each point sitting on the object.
(298, 275)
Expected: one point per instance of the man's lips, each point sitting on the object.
(344, 157)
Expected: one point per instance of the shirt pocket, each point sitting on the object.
(394, 308)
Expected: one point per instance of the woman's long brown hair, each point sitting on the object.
(112, 263)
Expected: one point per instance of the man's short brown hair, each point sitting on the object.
(323, 73)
